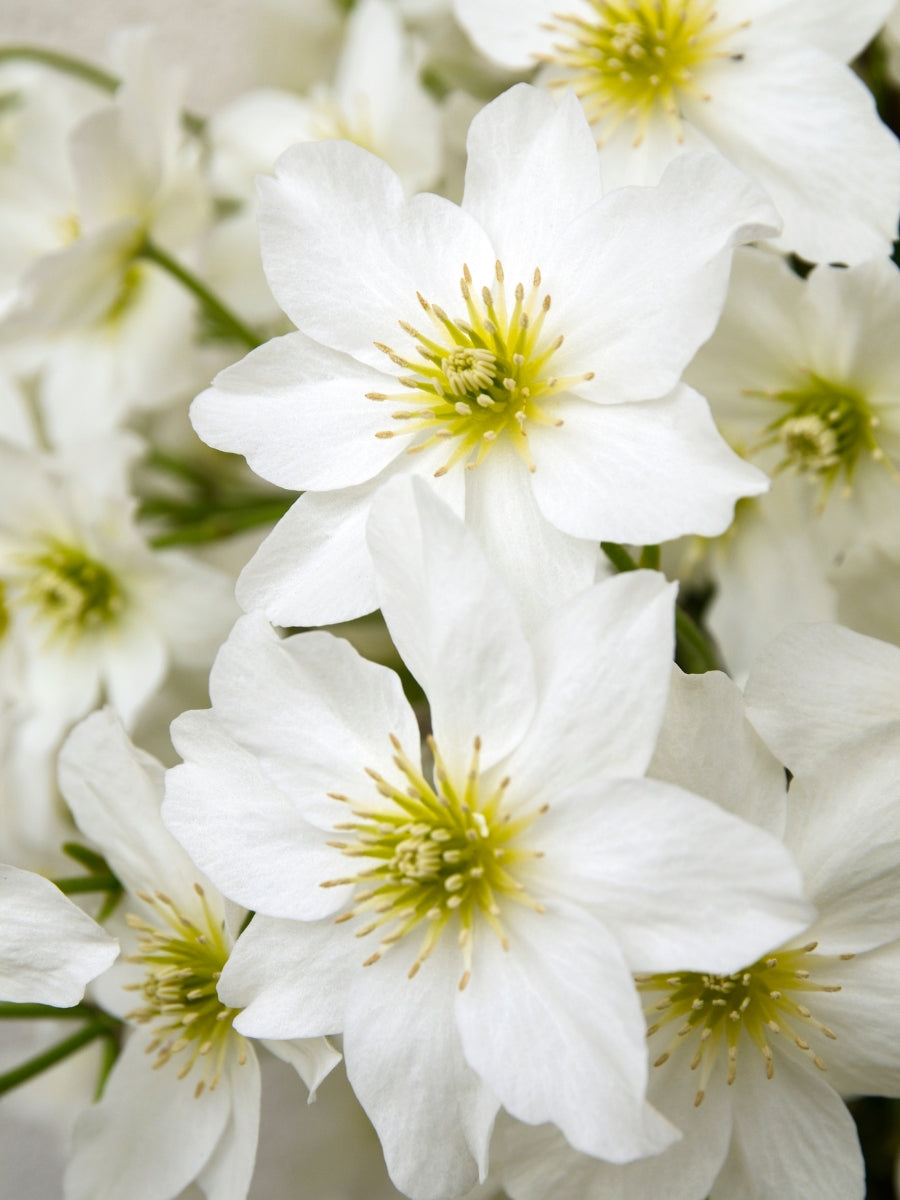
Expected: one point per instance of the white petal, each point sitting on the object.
(452, 623)
(792, 1136)
(681, 884)
(641, 472)
(707, 746)
(532, 170)
(508, 31)
(135, 660)
(312, 1058)
(364, 250)
(49, 949)
(313, 711)
(298, 413)
(805, 127)
(290, 978)
(554, 1027)
(149, 1136)
(819, 687)
(115, 791)
(834, 26)
(603, 662)
(405, 1063)
(229, 1170)
(844, 828)
(541, 565)
(242, 831)
(638, 282)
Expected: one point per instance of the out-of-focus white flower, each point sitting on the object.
(511, 894)
(134, 174)
(751, 1065)
(190, 1112)
(49, 949)
(429, 344)
(763, 81)
(891, 38)
(804, 378)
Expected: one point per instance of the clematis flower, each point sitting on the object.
(763, 81)
(751, 1064)
(49, 949)
(522, 352)
(471, 929)
(182, 1102)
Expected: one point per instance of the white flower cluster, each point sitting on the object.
(529, 288)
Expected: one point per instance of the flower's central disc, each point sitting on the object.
(179, 991)
(716, 1010)
(824, 429)
(432, 853)
(636, 57)
(67, 588)
(480, 377)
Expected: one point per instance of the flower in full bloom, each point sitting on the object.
(522, 352)
(751, 1064)
(470, 927)
(764, 81)
(182, 1103)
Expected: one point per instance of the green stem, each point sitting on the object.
(67, 64)
(49, 1058)
(33, 1012)
(216, 310)
(222, 525)
(88, 883)
(618, 556)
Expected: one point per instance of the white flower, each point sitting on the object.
(92, 609)
(507, 897)
(49, 949)
(191, 1111)
(134, 176)
(437, 348)
(751, 1065)
(763, 81)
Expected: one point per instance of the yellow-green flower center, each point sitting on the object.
(635, 58)
(433, 854)
(825, 429)
(184, 961)
(716, 1011)
(481, 377)
(69, 590)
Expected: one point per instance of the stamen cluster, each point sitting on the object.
(434, 853)
(481, 377)
(824, 430)
(179, 990)
(67, 588)
(758, 1001)
(637, 56)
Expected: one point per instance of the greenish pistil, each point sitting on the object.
(480, 377)
(825, 430)
(71, 590)
(431, 854)
(179, 990)
(722, 1010)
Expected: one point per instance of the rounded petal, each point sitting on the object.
(298, 413)
(603, 663)
(554, 1027)
(640, 473)
(290, 978)
(680, 884)
(838, 28)
(453, 625)
(150, 1136)
(49, 949)
(228, 1172)
(312, 1058)
(805, 127)
(404, 1061)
